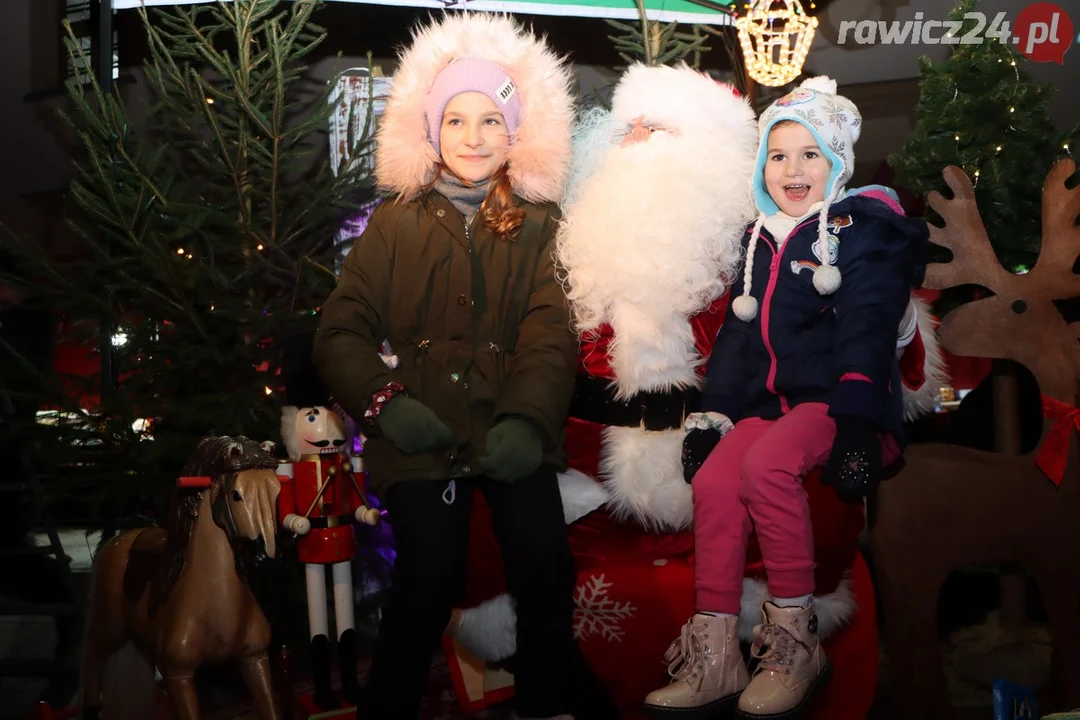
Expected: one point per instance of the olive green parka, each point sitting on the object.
(480, 325)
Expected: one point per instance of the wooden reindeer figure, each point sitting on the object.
(951, 507)
(177, 597)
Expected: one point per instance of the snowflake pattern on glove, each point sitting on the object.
(595, 613)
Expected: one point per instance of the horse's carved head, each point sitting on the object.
(241, 480)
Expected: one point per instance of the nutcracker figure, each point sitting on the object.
(322, 495)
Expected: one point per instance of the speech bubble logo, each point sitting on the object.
(1043, 32)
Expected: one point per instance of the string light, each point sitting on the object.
(998, 148)
(179, 251)
(267, 390)
(1012, 109)
(260, 247)
(775, 41)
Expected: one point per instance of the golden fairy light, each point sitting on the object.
(775, 36)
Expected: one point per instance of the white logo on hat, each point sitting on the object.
(507, 91)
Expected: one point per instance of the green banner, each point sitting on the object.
(683, 11)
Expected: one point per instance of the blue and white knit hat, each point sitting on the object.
(835, 123)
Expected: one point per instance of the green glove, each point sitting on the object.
(514, 449)
(413, 427)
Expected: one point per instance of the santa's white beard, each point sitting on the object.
(652, 240)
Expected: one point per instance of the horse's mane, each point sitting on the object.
(219, 457)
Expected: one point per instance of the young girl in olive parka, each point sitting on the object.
(457, 273)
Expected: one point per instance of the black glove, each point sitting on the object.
(696, 447)
(854, 465)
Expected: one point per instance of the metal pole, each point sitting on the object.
(105, 81)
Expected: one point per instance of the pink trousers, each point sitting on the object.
(753, 480)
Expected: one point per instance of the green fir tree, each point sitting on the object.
(980, 110)
(208, 228)
(654, 43)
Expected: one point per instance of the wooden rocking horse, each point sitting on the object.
(176, 597)
(950, 506)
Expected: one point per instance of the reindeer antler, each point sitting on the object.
(1053, 272)
(964, 234)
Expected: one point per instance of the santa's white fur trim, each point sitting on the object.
(488, 631)
(581, 494)
(288, 431)
(642, 472)
(539, 155)
(922, 400)
(834, 610)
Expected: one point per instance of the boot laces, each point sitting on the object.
(685, 654)
(776, 646)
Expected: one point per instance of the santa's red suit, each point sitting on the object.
(650, 234)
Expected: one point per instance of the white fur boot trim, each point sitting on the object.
(489, 631)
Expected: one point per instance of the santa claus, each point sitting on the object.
(653, 215)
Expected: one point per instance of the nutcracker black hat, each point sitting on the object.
(303, 388)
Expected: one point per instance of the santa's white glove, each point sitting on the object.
(703, 432)
(708, 421)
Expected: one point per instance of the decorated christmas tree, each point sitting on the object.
(980, 110)
(208, 226)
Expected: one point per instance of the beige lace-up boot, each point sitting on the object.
(707, 672)
(792, 668)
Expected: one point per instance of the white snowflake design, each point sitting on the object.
(595, 613)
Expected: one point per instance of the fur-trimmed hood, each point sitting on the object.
(539, 155)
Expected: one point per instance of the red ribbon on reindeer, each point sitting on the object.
(1054, 452)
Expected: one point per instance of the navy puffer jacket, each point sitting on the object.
(804, 347)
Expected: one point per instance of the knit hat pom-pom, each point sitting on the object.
(821, 83)
(826, 279)
(745, 308)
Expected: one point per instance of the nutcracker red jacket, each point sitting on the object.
(804, 347)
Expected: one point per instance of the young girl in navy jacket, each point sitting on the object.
(804, 374)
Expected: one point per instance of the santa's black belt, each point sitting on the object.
(594, 400)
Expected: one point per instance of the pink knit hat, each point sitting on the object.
(471, 74)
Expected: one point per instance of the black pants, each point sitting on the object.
(431, 535)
